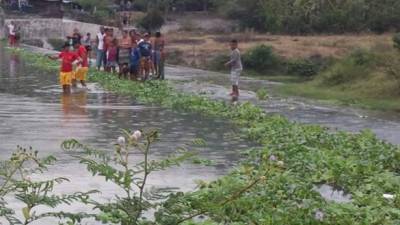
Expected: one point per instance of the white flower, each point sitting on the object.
(273, 158)
(319, 215)
(121, 140)
(280, 163)
(136, 135)
(388, 196)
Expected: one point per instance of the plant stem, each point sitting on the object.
(232, 198)
(146, 173)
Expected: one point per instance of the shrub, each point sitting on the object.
(152, 21)
(262, 94)
(355, 66)
(302, 67)
(307, 67)
(396, 41)
(175, 57)
(57, 44)
(362, 57)
(262, 59)
(217, 62)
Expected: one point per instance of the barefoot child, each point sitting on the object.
(236, 67)
(83, 67)
(68, 60)
(134, 61)
(112, 56)
(146, 65)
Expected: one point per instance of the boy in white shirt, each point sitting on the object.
(235, 64)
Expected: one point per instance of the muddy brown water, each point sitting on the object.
(34, 112)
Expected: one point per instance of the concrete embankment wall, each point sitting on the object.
(51, 28)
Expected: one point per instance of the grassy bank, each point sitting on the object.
(356, 70)
(368, 78)
(339, 97)
(294, 158)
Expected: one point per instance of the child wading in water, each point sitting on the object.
(236, 67)
(83, 68)
(68, 59)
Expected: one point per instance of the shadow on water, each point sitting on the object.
(35, 113)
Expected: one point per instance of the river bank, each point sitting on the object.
(294, 159)
(319, 67)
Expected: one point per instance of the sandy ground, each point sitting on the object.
(199, 46)
(199, 36)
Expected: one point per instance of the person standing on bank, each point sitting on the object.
(100, 54)
(158, 55)
(12, 36)
(235, 64)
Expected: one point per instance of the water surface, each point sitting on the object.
(34, 112)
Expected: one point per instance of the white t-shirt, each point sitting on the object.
(11, 29)
(100, 37)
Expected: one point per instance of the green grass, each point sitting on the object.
(338, 97)
(305, 155)
(366, 78)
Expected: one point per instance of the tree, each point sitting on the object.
(152, 21)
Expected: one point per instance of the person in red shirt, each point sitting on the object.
(83, 67)
(68, 60)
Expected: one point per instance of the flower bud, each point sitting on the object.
(273, 158)
(121, 140)
(280, 163)
(319, 215)
(136, 135)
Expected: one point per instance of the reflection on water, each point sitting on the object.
(74, 104)
(35, 113)
(14, 61)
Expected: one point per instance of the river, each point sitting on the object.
(34, 112)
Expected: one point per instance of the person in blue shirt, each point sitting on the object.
(134, 61)
(146, 64)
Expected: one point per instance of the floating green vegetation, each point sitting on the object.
(294, 159)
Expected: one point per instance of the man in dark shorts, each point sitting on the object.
(145, 48)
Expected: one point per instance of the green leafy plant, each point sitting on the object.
(262, 94)
(304, 68)
(16, 182)
(261, 59)
(132, 178)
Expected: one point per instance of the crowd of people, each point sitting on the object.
(132, 56)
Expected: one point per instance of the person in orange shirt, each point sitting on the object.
(68, 60)
(83, 67)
